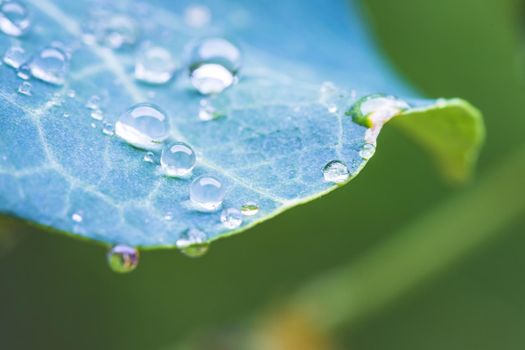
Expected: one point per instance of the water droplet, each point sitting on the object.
(376, 110)
(193, 243)
(177, 159)
(97, 114)
(25, 88)
(168, 216)
(122, 258)
(93, 103)
(66, 115)
(24, 72)
(154, 65)
(93, 125)
(71, 94)
(107, 128)
(50, 65)
(336, 172)
(144, 125)
(249, 209)
(14, 18)
(115, 31)
(197, 16)
(149, 157)
(214, 65)
(367, 151)
(231, 218)
(77, 217)
(207, 193)
(15, 56)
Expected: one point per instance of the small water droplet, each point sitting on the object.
(114, 31)
(368, 151)
(143, 125)
(97, 114)
(149, 157)
(14, 18)
(77, 217)
(197, 16)
(329, 96)
(376, 110)
(336, 172)
(122, 258)
(25, 88)
(215, 63)
(207, 112)
(66, 115)
(154, 65)
(168, 216)
(231, 218)
(15, 56)
(177, 159)
(50, 65)
(108, 129)
(249, 209)
(24, 72)
(207, 193)
(93, 125)
(93, 103)
(193, 243)
(71, 94)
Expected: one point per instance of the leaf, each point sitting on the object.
(279, 129)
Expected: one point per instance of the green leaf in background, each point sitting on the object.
(280, 137)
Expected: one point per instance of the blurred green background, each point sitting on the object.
(57, 293)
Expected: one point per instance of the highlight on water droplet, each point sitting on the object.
(114, 31)
(15, 56)
(231, 218)
(143, 125)
(207, 193)
(250, 209)
(177, 159)
(336, 172)
(154, 65)
(122, 258)
(215, 62)
(14, 18)
(368, 151)
(25, 88)
(50, 65)
(197, 16)
(375, 110)
(193, 243)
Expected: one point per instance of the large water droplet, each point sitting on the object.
(375, 110)
(144, 125)
(154, 65)
(122, 258)
(15, 56)
(336, 172)
(14, 18)
(193, 243)
(214, 65)
(116, 31)
(207, 193)
(50, 65)
(197, 16)
(231, 218)
(25, 88)
(177, 159)
(249, 209)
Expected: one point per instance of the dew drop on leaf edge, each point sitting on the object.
(193, 243)
(122, 258)
(336, 172)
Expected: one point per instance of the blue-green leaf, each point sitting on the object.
(279, 126)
